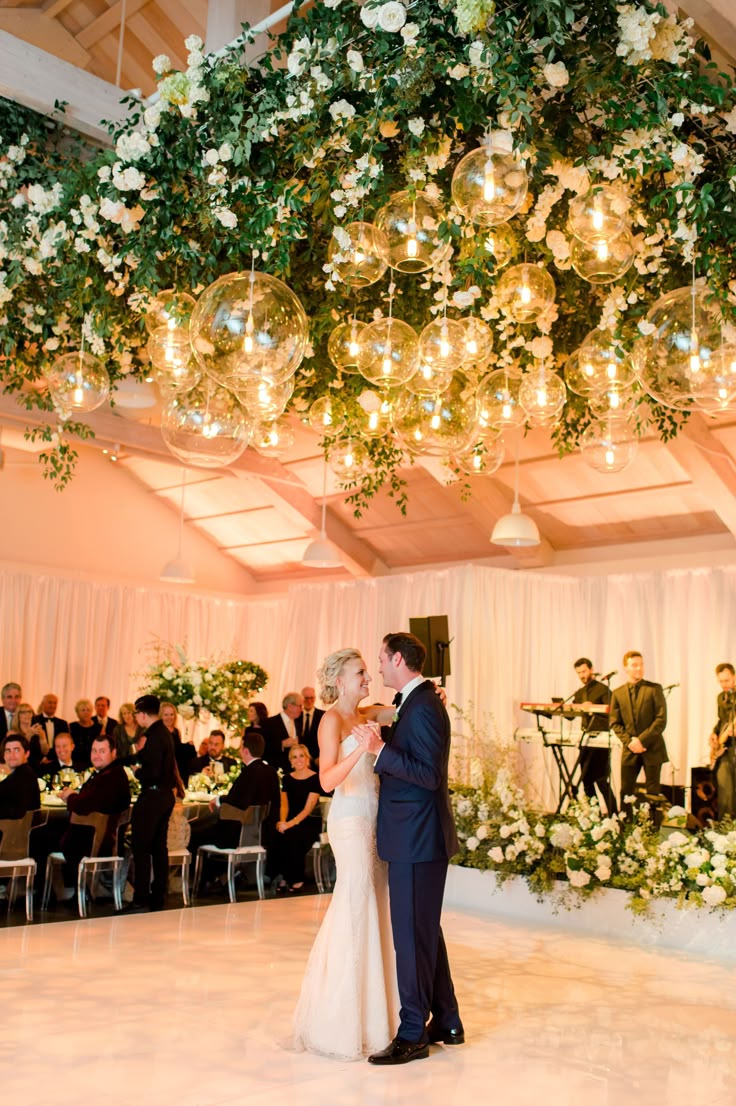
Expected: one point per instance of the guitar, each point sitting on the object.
(719, 746)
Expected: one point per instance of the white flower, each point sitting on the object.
(558, 244)
(472, 844)
(391, 16)
(416, 126)
(212, 157)
(104, 173)
(714, 895)
(475, 54)
(131, 179)
(410, 33)
(561, 836)
(556, 74)
(578, 878)
(194, 44)
(369, 15)
(132, 147)
(355, 61)
(341, 109)
(161, 64)
(729, 119)
(482, 833)
(458, 72)
(226, 217)
(225, 152)
(496, 855)
(602, 873)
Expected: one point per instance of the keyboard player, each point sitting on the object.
(595, 764)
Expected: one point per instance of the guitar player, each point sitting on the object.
(722, 745)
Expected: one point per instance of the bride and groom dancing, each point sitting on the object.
(363, 966)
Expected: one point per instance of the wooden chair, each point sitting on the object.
(248, 850)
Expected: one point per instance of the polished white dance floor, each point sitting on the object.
(188, 1008)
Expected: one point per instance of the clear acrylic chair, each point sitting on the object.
(90, 867)
(322, 853)
(248, 851)
(182, 858)
(15, 864)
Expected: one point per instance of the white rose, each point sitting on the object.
(578, 878)
(475, 54)
(369, 16)
(556, 75)
(226, 217)
(410, 33)
(482, 833)
(104, 173)
(341, 110)
(496, 855)
(416, 126)
(472, 844)
(391, 16)
(194, 44)
(225, 152)
(355, 61)
(161, 64)
(714, 895)
(212, 157)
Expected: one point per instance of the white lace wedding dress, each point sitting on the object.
(349, 1001)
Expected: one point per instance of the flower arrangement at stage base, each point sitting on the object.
(204, 689)
(584, 849)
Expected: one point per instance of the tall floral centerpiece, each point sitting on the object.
(201, 690)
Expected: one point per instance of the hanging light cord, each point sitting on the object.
(181, 512)
(323, 532)
(121, 41)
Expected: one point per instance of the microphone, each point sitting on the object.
(608, 675)
(669, 687)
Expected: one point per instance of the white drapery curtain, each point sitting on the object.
(515, 636)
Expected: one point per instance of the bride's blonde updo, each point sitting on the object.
(331, 671)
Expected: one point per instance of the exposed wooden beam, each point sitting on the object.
(710, 466)
(497, 498)
(108, 22)
(40, 30)
(135, 437)
(715, 23)
(38, 79)
(52, 8)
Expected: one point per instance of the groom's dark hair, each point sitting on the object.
(410, 647)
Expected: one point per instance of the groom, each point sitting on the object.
(416, 835)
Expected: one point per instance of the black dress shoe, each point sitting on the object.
(400, 1052)
(437, 1035)
(135, 908)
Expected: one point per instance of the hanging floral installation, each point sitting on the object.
(413, 225)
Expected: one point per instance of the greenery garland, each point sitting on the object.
(201, 689)
(351, 105)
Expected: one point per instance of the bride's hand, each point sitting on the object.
(369, 736)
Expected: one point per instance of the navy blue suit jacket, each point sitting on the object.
(415, 822)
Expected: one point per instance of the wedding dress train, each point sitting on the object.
(348, 1006)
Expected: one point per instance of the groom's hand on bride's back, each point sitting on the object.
(442, 692)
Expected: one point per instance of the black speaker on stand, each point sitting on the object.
(704, 796)
(434, 634)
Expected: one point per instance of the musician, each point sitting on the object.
(638, 718)
(722, 745)
(595, 764)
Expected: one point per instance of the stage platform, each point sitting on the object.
(188, 1007)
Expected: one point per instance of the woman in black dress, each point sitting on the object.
(84, 730)
(301, 818)
(257, 716)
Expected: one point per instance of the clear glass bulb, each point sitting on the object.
(525, 293)
(373, 420)
(444, 343)
(602, 250)
(597, 216)
(489, 183)
(412, 247)
(610, 457)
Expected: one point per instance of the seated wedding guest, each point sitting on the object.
(23, 724)
(127, 731)
(217, 761)
(11, 695)
(102, 715)
(257, 716)
(257, 785)
(46, 720)
(301, 819)
(283, 731)
(63, 757)
(19, 791)
(183, 750)
(84, 730)
(107, 791)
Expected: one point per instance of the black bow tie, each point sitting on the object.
(397, 698)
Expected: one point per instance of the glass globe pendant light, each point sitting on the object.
(489, 184)
(410, 223)
(77, 383)
(358, 254)
(525, 292)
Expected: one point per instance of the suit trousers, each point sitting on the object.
(422, 967)
(630, 769)
(726, 779)
(595, 767)
(149, 826)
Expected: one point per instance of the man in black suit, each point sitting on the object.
(595, 764)
(62, 757)
(19, 791)
(152, 810)
(721, 741)
(11, 695)
(45, 726)
(283, 730)
(638, 718)
(415, 833)
(107, 791)
(257, 784)
(102, 715)
(311, 717)
(216, 761)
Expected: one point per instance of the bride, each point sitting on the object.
(349, 1004)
